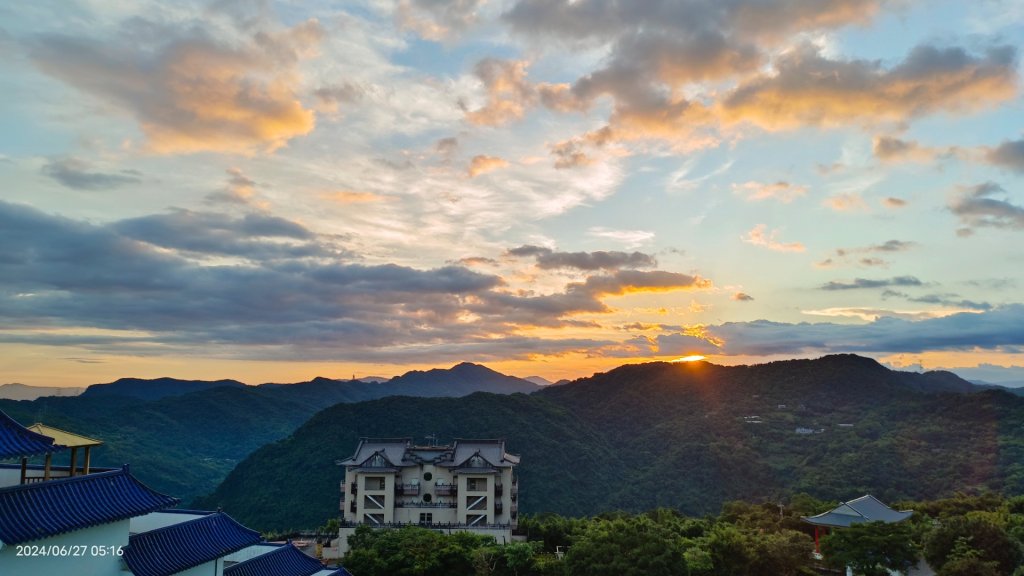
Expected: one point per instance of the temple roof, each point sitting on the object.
(864, 509)
(63, 437)
(178, 547)
(18, 441)
(43, 509)
(287, 560)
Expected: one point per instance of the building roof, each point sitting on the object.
(17, 441)
(178, 547)
(867, 508)
(63, 437)
(287, 560)
(43, 509)
(332, 572)
(401, 452)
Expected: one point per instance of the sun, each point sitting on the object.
(693, 358)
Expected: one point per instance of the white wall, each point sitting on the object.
(106, 535)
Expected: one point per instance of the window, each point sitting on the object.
(426, 517)
(476, 484)
(428, 476)
(373, 482)
(477, 462)
(377, 461)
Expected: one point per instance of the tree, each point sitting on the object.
(977, 532)
(871, 548)
(784, 553)
(626, 547)
(518, 557)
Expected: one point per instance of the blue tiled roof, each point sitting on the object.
(178, 547)
(17, 441)
(339, 572)
(285, 561)
(34, 511)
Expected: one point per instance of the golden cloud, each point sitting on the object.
(482, 164)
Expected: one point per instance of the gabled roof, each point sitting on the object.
(867, 508)
(493, 451)
(178, 547)
(392, 448)
(63, 437)
(43, 509)
(18, 441)
(285, 561)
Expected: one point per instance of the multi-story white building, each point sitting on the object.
(469, 485)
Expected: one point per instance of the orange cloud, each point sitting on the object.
(847, 202)
(195, 94)
(782, 191)
(351, 197)
(482, 164)
(810, 89)
(759, 236)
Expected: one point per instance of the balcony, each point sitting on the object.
(498, 506)
(421, 504)
(446, 489)
(11, 474)
(355, 489)
(352, 506)
(498, 489)
(407, 489)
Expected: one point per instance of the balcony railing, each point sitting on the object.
(446, 489)
(434, 526)
(407, 489)
(421, 504)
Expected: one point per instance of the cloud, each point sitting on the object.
(997, 329)
(890, 149)
(193, 90)
(846, 202)
(351, 197)
(239, 190)
(809, 89)
(892, 202)
(508, 92)
(331, 97)
(861, 254)
(871, 314)
(437, 20)
(547, 258)
(1009, 155)
(483, 164)
(863, 283)
(759, 236)
(742, 297)
(782, 191)
(75, 173)
(977, 208)
(260, 286)
(630, 238)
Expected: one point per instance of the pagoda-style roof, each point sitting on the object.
(63, 437)
(178, 547)
(34, 511)
(16, 441)
(287, 560)
(867, 508)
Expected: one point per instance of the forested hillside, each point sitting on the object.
(184, 444)
(684, 436)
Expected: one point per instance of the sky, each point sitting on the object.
(271, 191)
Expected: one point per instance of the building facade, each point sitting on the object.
(469, 485)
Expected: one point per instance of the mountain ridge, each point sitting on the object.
(688, 436)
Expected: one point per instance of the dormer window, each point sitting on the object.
(377, 461)
(477, 462)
